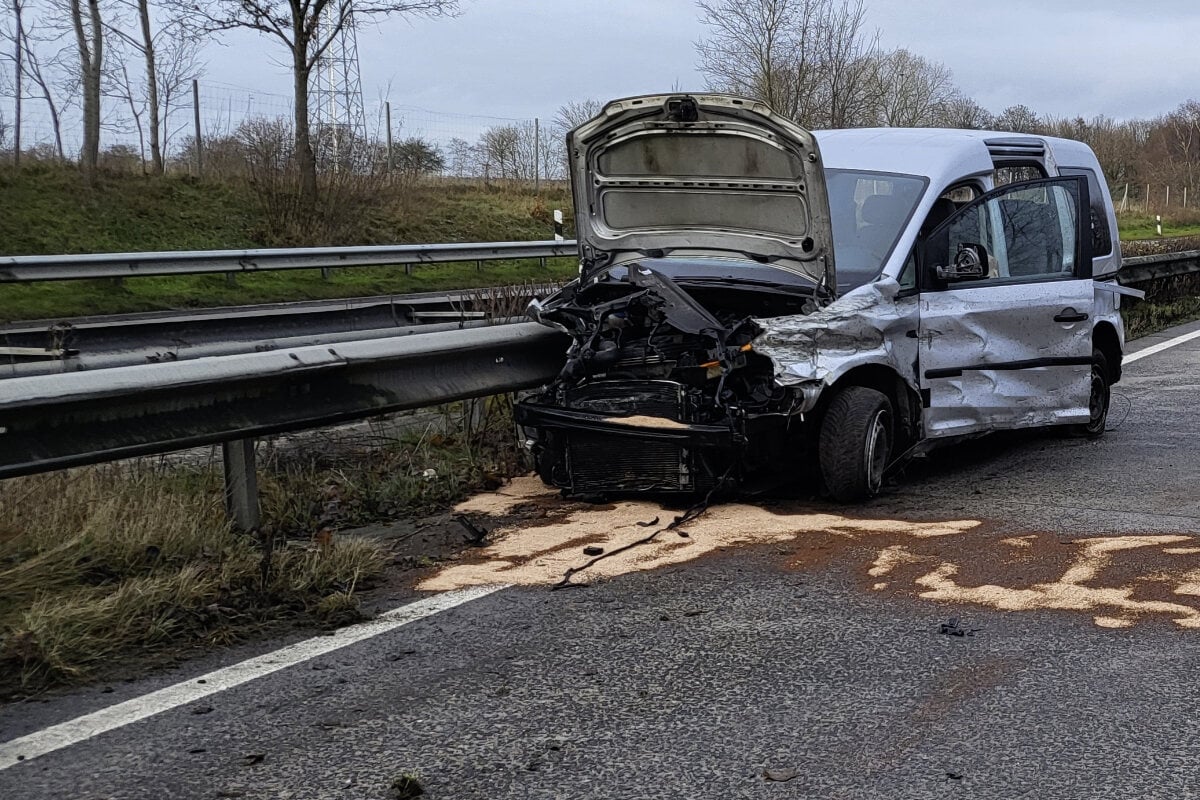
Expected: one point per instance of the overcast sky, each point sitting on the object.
(524, 58)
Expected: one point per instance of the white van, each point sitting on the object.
(754, 298)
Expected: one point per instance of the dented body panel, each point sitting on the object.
(973, 300)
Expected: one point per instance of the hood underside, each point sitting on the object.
(700, 175)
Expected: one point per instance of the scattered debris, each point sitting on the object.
(953, 776)
(781, 775)
(405, 787)
(250, 759)
(683, 534)
(594, 550)
(198, 710)
(429, 474)
(475, 533)
(685, 517)
(649, 524)
(195, 750)
(952, 628)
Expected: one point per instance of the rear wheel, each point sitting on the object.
(855, 444)
(1101, 396)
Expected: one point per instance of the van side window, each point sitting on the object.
(1101, 235)
(1028, 233)
(1005, 175)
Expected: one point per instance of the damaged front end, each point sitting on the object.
(696, 215)
(661, 392)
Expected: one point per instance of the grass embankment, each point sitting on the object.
(47, 210)
(102, 565)
(1134, 226)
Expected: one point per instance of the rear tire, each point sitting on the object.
(1101, 397)
(855, 444)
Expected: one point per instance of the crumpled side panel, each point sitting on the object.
(964, 330)
(865, 326)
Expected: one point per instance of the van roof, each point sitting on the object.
(940, 154)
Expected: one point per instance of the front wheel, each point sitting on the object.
(1099, 399)
(855, 443)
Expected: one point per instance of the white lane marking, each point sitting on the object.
(65, 734)
(1158, 348)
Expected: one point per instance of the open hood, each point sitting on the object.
(700, 175)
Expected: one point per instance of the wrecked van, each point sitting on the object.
(759, 303)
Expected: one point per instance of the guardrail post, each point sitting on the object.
(241, 483)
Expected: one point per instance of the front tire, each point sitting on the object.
(855, 445)
(1101, 397)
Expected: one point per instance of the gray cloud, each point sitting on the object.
(523, 58)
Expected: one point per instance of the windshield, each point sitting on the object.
(869, 212)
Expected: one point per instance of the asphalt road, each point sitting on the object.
(801, 657)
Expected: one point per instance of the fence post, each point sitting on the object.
(1185, 196)
(196, 121)
(387, 110)
(1168, 203)
(1147, 198)
(537, 156)
(241, 483)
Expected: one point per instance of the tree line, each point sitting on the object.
(815, 61)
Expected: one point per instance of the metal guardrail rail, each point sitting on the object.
(1143, 269)
(52, 421)
(39, 347)
(29, 269)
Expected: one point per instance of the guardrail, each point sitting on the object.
(1143, 269)
(28, 269)
(52, 421)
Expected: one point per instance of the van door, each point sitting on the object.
(1005, 333)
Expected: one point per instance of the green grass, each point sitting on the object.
(99, 564)
(46, 210)
(1179, 222)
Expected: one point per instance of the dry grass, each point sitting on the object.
(101, 563)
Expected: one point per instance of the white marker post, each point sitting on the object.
(558, 225)
(1158, 223)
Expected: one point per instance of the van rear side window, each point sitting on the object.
(1101, 235)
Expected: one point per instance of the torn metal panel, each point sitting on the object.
(869, 325)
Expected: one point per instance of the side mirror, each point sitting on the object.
(970, 264)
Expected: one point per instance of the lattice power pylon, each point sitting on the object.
(335, 95)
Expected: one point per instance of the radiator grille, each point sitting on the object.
(604, 463)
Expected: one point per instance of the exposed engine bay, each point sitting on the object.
(662, 390)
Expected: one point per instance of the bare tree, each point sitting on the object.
(55, 82)
(88, 26)
(18, 44)
(911, 91)
(1019, 119)
(573, 114)
(462, 156)
(810, 60)
(147, 43)
(960, 111)
(306, 28)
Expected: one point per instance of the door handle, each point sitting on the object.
(1070, 315)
